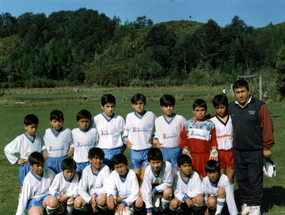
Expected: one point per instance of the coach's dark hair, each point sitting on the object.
(36, 158)
(68, 163)
(119, 158)
(56, 114)
(212, 166)
(240, 83)
(108, 98)
(138, 97)
(31, 119)
(199, 103)
(154, 154)
(220, 99)
(83, 114)
(96, 152)
(167, 100)
(184, 159)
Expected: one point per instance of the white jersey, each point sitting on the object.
(168, 132)
(23, 145)
(91, 183)
(212, 190)
(224, 133)
(139, 129)
(34, 188)
(83, 141)
(187, 189)
(61, 186)
(109, 130)
(128, 189)
(160, 182)
(57, 144)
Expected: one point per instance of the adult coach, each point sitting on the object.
(253, 138)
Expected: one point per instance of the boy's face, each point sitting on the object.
(167, 110)
(139, 107)
(96, 162)
(242, 95)
(221, 110)
(31, 129)
(121, 169)
(185, 169)
(200, 112)
(56, 124)
(38, 169)
(108, 109)
(68, 173)
(213, 176)
(155, 164)
(84, 124)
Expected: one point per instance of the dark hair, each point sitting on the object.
(183, 159)
(83, 114)
(36, 158)
(108, 98)
(119, 158)
(199, 103)
(154, 154)
(56, 114)
(138, 97)
(220, 99)
(31, 119)
(240, 83)
(212, 166)
(167, 100)
(96, 152)
(68, 163)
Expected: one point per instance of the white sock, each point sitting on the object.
(69, 208)
(220, 205)
(164, 203)
(50, 210)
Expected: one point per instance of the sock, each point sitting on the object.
(164, 203)
(105, 208)
(220, 205)
(69, 208)
(175, 210)
(84, 208)
(198, 207)
(50, 210)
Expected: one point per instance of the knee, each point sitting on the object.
(199, 200)
(52, 202)
(221, 192)
(70, 200)
(167, 193)
(78, 203)
(212, 202)
(101, 199)
(139, 202)
(174, 203)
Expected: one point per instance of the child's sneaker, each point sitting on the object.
(245, 209)
(254, 210)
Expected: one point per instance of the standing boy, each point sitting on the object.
(187, 186)
(84, 138)
(123, 187)
(199, 138)
(138, 134)
(92, 194)
(35, 193)
(157, 180)
(110, 126)
(169, 127)
(218, 189)
(64, 186)
(24, 144)
(57, 142)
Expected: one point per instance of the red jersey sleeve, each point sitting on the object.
(184, 140)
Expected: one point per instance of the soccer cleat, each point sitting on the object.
(254, 210)
(245, 209)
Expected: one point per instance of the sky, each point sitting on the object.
(256, 13)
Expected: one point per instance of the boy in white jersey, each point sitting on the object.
(57, 142)
(123, 187)
(110, 127)
(138, 134)
(35, 192)
(157, 180)
(24, 144)
(64, 186)
(169, 127)
(187, 186)
(218, 189)
(84, 138)
(224, 134)
(91, 190)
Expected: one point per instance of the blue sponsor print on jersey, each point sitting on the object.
(84, 144)
(169, 136)
(104, 133)
(53, 149)
(135, 129)
(251, 112)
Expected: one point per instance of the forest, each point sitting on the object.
(83, 47)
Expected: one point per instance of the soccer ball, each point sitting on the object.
(127, 211)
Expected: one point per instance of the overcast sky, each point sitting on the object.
(256, 13)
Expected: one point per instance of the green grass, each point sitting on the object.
(12, 116)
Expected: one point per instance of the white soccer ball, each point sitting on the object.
(127, 211)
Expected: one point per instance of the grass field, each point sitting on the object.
(12, 116)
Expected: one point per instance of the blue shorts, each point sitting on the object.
(54, 163)
(109, 154)
(36, 202)
(171, 155)
(138, 158)
(23, 171)
(80, 166)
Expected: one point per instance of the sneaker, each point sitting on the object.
(254, 210)
(245, 209)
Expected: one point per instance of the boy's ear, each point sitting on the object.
(89, 160)
(102, 107)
